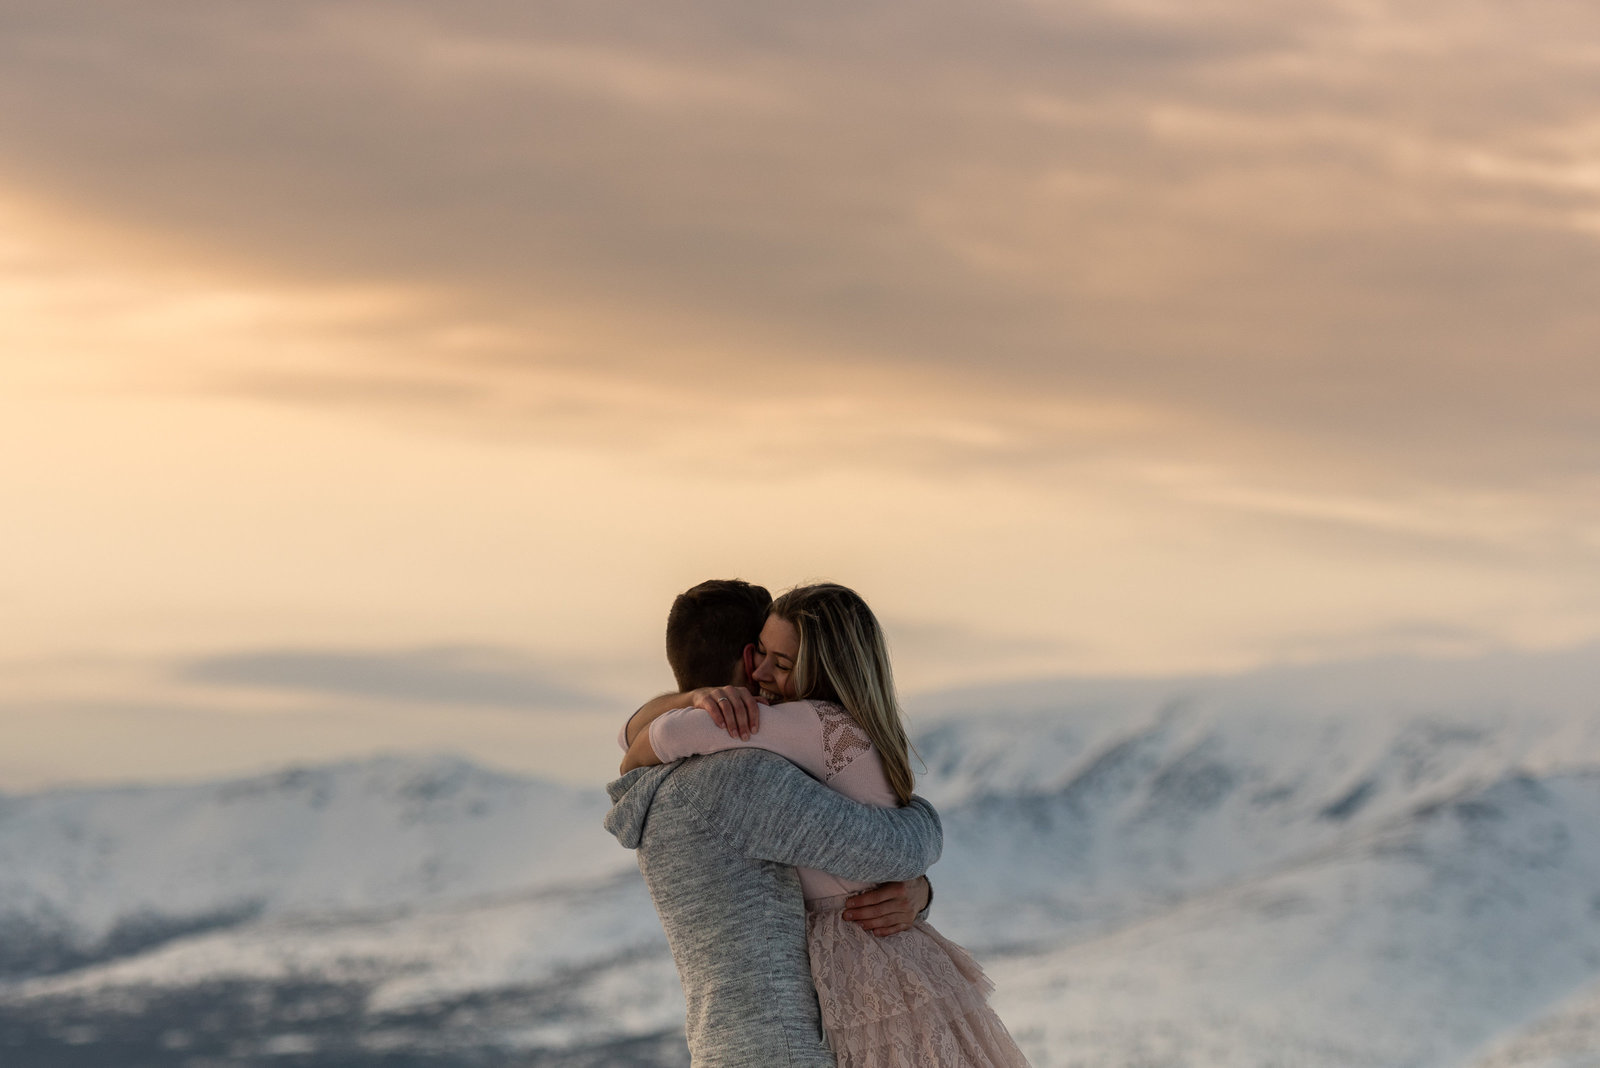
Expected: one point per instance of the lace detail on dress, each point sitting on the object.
(842, 740)
(912, 1000)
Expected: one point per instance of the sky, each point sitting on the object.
(372, 375)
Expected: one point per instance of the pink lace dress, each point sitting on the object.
(910, 1000)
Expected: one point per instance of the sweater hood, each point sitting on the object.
(630, 802)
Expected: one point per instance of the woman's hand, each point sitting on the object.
(733, 708)
(890, 908)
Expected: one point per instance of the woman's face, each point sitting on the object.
(775, 656)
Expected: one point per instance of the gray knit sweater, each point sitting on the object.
(717, 838)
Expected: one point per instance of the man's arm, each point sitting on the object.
(769, 809)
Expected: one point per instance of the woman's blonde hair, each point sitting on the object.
(844, 659)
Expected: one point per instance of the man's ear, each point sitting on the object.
(750, 662)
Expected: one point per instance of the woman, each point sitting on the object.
(911, 1000)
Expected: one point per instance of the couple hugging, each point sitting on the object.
(783, 847)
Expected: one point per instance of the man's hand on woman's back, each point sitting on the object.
(890, 908)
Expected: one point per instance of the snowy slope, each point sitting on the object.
(1414, 947)
(1391, 863)
(86, 874)
(1566, 1037)
(1078, 805)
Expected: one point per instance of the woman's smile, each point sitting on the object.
(775, 656)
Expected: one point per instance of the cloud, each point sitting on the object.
(459, 675)
(1408, 637)
(934, 652)
(1361, 234)
(945, 639)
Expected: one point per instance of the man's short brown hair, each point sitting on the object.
(709, 626)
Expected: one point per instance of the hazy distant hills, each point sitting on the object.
(1388, 863)
(95, 873)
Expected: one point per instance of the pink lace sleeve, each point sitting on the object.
(842, 740)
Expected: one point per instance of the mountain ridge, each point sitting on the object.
(1399, 869)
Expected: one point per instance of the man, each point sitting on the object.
(718, 838)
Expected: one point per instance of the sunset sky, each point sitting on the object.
(372, 375)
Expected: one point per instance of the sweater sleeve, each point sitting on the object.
(768, 809)
(791, 730)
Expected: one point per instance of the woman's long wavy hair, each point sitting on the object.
(843, 658)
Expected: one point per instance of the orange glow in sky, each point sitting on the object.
(372, 376)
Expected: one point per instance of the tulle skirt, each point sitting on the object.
(911, 1000)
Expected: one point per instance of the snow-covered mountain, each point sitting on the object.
(1390, 863)
(91, 874)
